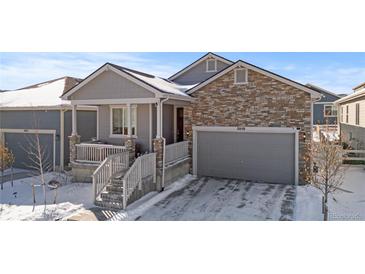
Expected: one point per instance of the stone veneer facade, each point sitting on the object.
(262, 102)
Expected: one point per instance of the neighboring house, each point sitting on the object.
(352, 117)
(242, 122)
(38, 109)
(324, 110)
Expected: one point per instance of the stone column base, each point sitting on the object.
(158, 147)
(74, 139)
(130, 144)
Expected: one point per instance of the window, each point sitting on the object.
(240, 76)
(357, 114)
(119, 120)
(211, 65)
(330, 111)
(342, 114)
(347, 114)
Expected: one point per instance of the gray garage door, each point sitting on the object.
(260, 157)
(19, 145)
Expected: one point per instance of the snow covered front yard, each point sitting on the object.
(16, 203)
(343, 206)
(192, 198)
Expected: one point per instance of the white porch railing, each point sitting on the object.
(356, 155)
(96, 153)
(110, 166)
(142, 167)
(176, 151)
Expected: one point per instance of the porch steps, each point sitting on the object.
(112, 196)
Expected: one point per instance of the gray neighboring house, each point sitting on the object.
(38, 109)
(352, 117)
(324, 110)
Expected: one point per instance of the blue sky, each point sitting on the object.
(337, 72)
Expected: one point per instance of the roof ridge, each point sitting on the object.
(134, 71)
(322, 89)
(48, 82)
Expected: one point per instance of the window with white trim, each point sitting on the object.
(357, 120)
(342, 114)
(240, 76)
(119, 120)
(347, 114)
(330, 111)
(211, 65)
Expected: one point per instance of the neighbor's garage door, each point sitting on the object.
(19, 145)
(257, 156)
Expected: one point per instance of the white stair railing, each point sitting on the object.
(110, 166)
(177, 151)
(142, 167)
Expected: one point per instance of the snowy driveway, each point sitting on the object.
(222, 200)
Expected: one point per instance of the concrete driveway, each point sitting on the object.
(222, 200)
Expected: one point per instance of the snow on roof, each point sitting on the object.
(161, 84)
(44, 94)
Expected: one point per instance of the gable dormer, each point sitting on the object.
(201, 69)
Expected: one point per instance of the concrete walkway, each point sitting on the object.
(93, 214)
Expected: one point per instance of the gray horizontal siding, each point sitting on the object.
(198, 74)
(110, 85)
(318, 116)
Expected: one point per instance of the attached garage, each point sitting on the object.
(18, 142)
(267, 155)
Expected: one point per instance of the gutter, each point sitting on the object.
(164, 146)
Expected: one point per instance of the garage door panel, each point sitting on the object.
(266, 157)
(19, 145)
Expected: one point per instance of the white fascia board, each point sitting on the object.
(253, 68)
(25, 130)
(352, 96)
(115, 101)
(40, 108)
(246, 129)
(209, 55)
(176, 97)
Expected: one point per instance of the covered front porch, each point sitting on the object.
(131, 126)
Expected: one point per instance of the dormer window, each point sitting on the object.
(240, 76)
(211, 65)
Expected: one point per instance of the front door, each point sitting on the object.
(179, 124)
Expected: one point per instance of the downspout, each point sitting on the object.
(62, 138)
(164, 147)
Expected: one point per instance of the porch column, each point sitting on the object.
(158, 120)
(74, 120)
(74, 138)
(130, 143)
(129, 119)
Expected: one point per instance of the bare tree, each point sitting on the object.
(6, 161)
(328, 172)
(40, 163)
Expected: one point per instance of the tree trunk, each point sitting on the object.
(325, 216)
(12, 176)
(33, 194)
(2, 179)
